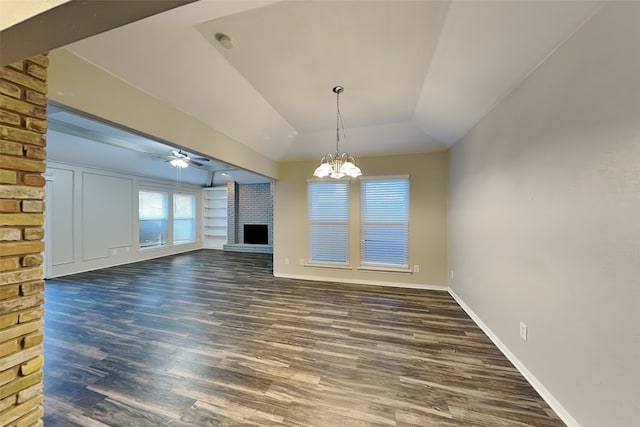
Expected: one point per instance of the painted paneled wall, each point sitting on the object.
(544, 222)
(93, 218)
(428, 221)
(100, 232)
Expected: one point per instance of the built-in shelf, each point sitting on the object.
(214, 201)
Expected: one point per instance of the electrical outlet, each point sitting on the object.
(286, 261)
(416, 268)
(523, 331)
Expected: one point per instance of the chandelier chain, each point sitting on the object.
(339, 122)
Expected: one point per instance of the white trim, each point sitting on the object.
(367, 178)
(119, 263)
(333, 266)
(364, 282)
(382, 268)
(535, 383)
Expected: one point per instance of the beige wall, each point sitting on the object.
(78, 84)
(544, 221)
(14, 11)
(428, 201)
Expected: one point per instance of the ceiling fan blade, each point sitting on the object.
(200, 159)
(193, 162)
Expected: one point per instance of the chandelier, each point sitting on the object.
(336, 165)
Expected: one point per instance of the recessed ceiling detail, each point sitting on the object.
(420, 74)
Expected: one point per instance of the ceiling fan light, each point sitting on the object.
(179, 163)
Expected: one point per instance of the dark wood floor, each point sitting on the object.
(213, 339)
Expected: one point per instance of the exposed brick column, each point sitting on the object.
(232, 212)
(23, 115)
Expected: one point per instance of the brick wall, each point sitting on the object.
(255, 206)
(23, 116)
(232, 209)
(248, 204)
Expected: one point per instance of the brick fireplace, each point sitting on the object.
(249, 210)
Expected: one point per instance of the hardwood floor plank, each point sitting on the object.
(211, 338)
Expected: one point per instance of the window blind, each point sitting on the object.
(328, 216)
(384, 211)
(153, 215)
(184, 218)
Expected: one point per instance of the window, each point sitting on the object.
(384, 222)
(328, 214)
(153, 213)
(184, 218)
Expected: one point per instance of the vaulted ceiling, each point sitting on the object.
(418, 75)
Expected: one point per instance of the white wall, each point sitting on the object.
(544, 221)
(93, 218)
(427, 229)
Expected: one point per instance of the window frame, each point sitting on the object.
(346, 222)
(167, 219)
(384, 266)
(193, 218)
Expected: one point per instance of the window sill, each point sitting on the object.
(384, 268)
(332, 266)
(150, 248)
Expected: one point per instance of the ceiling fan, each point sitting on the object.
(180, 159)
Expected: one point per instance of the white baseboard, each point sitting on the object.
(535, 383)
(364, 282)
(68, 269)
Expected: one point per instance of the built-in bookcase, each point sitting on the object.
(214, 217)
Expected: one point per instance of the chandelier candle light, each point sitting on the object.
(336, 165)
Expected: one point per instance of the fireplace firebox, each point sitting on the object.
(256, 234)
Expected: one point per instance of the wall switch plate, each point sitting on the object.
(416, 268)
(286, 261)
(523, 331)
(451, 274)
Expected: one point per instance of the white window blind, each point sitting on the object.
(328, 215)
(184, 218)
(153, 215)
(384, 222)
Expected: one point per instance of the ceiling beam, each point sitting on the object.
(73, 21)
